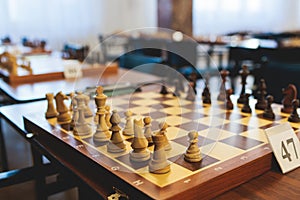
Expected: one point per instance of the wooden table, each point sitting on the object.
(270, 185)
(35, 91)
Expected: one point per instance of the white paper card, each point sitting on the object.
(72, 69)
(285, 145)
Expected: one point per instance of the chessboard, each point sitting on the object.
(233, 145)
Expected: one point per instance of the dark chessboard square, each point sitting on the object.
(163, 98)
(160, 106)
(234, 127)
(135, 165)
(193, 115)
(206, 160)
(202, 141)
(154, 125)
(193, 126)
(122, 124)
(135, 98)
(158, 114)
(277, 117)
(122, 115)
(128, 106)
(231, 116)
(124, 106)
(193, 106)
(241, 142)
(131, 98)
(269, 125)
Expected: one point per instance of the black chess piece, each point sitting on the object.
(191, 92)
(229, 104)
(181, 86)
(294, 117)
(244, 73)
(262, 92)
(193, 79)
(177, 90)
(206, 95)
(222, 94)
(246, 107)
(289, 94)
(163, 90)
(268, 112)
(138, 89)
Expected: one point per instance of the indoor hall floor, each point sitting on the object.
(19, 156)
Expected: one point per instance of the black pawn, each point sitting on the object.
(262, 91)
(163, 90)
(193, 79)
(268, 112)
(206, 93)
(244, 73)
(294, 117)
(229, 104)
(139, 89)
(246, 108)
(222, 94)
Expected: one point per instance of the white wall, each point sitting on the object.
(76, 21)
(223, 16)
(81, 21)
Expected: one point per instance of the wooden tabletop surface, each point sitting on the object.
(35, 91)
(271, 185)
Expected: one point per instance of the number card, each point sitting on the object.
(285, 145)
(72, 69)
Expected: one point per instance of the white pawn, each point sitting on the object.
(128, 129)
(139, 144)
(147, 130)
(163, 130)
(75, 114)
(116, 143)
(107, 116)
(87, 112)
(82, 127)
(193, 152)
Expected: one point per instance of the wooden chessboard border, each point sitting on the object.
(209, 183)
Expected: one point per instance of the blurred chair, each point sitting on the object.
(75, 51)
(144, 54)
(182, 56)
(282, 68)
(112, 47)
(147, 46)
